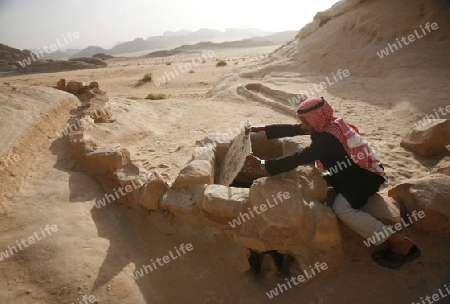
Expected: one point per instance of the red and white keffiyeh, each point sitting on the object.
(321, 118)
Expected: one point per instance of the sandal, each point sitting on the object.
(389, 259)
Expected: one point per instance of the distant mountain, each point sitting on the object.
(57, 55)
(177, 33)
(175, 39)
(72, 51)
(89, 51)
(276, 39)
(138, 44)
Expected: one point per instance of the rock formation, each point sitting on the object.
(429, 139)
(429, 194)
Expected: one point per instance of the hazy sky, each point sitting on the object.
(38, 23)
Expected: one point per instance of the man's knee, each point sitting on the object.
(341, 206)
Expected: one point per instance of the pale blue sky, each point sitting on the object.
(38, 23)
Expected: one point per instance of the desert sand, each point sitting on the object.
(96, 251)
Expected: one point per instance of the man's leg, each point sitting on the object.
(401, 250)
(361, 222)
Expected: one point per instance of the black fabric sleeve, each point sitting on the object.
(287, 163)
(278, 131)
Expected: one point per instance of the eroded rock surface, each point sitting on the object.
(430, 194)
(429, 139)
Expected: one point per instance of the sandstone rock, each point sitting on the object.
(83, 89)
(94, 84)
(443, 167)
(383, 208)
(234, 159)
(104, 161)
(223, 204)
(430, 194)
(196, 172)
(72, 87)
(204, 153)
(313, 184)
(61, 84)
(307, 230)
(99, 109)
(142, 188)
(88, 95)
(430, 139)
(284, 215)
(183, 203)
(154, 188)
(96, 91)
(80, 85)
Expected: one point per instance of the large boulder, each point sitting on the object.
(141, 188)
(198, 171)
(277, 217)
(428, 139)
(184, 203)
(99, 108)
(430, 194)
(72, 87)
(104, 161)
(61, 84)
(313, 184)
(94, 84)
(223, 204)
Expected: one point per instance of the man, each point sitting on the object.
(354, 172)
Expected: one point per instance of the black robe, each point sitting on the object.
(353, 182)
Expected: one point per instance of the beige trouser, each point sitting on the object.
(361, 222)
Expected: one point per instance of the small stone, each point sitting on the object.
(94, 84)
(61, 84)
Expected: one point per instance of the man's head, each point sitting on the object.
(306, 126)
(315, 114)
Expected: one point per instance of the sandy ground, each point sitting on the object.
(94, 252)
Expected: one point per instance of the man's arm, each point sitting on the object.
(287, 163)
(283, 130)
(277, 131)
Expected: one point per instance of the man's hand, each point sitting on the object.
(254, 129)
(252, 163)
